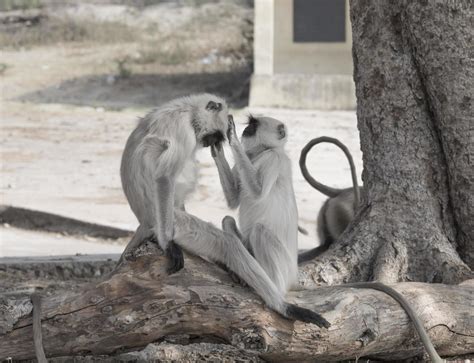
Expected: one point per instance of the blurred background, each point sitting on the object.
(76, 75)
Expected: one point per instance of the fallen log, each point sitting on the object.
(48, 222)
(141, 304)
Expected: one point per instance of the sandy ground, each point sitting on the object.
(57, 244)
(65, 159)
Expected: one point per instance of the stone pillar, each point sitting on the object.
(302, 51)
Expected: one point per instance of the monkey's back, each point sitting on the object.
(132, 175)
(138, 176)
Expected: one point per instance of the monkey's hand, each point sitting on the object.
(175, 257)
(216, 150)
(231, 133)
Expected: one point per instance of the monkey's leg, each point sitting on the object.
(141, 235)
(164, 207)
(324, 235)
(273, 256)
(205, 240)
(229, 226)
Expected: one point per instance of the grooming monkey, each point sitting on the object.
(337, 212)
(261, 184)
(159, 170)
(339, 209)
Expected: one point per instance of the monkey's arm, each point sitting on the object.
(165, 223)
(162, 158)
(229, 181)
(258, 182)
(248, 173)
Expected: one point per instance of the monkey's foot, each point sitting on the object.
(175, 257)
(233, 276)
(236, 278)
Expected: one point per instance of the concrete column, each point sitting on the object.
(315, 75)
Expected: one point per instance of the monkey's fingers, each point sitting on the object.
(175, 258)
(237, 279)
(216, 149)
(231, 128)
(295, 312)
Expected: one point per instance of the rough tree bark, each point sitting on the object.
(141, 304)
(414, 82)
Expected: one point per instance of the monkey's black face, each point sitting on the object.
(212, 138)
(251, 128)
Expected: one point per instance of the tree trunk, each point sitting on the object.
(414, 82)
(141, 304)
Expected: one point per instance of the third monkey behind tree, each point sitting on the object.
(339, 209)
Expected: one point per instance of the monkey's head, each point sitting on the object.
(264, 131)
(210, 120)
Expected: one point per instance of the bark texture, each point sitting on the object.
(414, 76)
(140, 304)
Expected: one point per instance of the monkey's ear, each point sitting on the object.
(214, 106)
(281, 131)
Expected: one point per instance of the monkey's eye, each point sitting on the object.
(214, 106)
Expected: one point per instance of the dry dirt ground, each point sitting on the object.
(67, 109)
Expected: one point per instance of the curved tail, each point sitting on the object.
(329, 191)
(420, 329)
(312, 253)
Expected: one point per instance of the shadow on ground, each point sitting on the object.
(143, 90)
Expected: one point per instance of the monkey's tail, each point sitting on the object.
(37, 335)
(203, 239)
(312, 253)
(295, 312)
(327, 190)
(420, 329)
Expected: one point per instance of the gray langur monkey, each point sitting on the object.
(159, 168)
(261, 184)
(339, 209)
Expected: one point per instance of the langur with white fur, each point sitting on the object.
(261, 184)
(159, 167)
